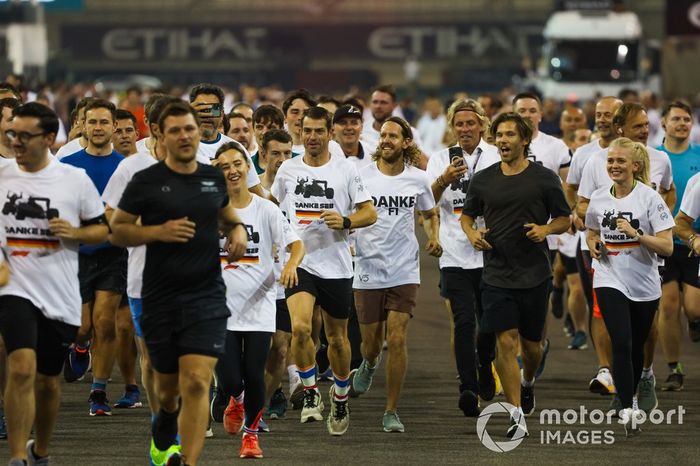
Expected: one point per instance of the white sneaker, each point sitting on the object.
(313, 406)
(339, 417)
(631, 419)
(602, 383)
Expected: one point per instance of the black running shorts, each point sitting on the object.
(23, 325)
(510, 308)
(104, 270)
(334, 295)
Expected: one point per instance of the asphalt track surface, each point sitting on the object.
(436, 431)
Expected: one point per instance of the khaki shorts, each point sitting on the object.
(373, 305)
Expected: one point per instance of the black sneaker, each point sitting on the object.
(164, 429)
(487, 384)
(527, 399)
(558, 302)
(469, 403)
(569, 328)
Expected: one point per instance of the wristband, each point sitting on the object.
(691, 240)
(346, 223)
(441, 182)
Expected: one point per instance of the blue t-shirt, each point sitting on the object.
(100, 169)
(683, 165)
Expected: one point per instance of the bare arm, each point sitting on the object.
(88, 234)
(289, 277)
(669, 196)
(237, 234)
(661, 242)
(539, 233)
(442, 182)
(365, 215)
(475, 236)
(258, 189)
(431, 225)
(582, 207)
(684, 230)
(4, 273)
(570, 193)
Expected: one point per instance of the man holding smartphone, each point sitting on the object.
(208, 100)
(451, 171)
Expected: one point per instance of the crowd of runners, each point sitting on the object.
(242, 253)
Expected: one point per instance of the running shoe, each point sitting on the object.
(233, 416)
(391, 422)
(646, 394)
(579, 341)
(296, 396)
(486, 383)
(631, 419)
(469, 403)
(558, 302)
(543, 361)
(262, 426)
(339, 417)
(517, 430)
(99, 404)
(33, 459)
(278, 405)
(527, 399)
(218, 404)
(694, 330)
(160, 458)
(78, 363)
(250, 448)
(602, 383)
(175, 459)
(313, 406)
(674, 382)
(130, 399)
(362, 380)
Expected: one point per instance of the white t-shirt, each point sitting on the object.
(44, 266)
(690, 203)
(387, 252)
(551, 153)
(3, 243)
(628, 266)
(4, 161)
(251, 281)
(595, 173)
(303, 193)
(111, 196)
(142, 145)
(579, 159)
(207, 150)
(432, 131)
(566, 244)
(457, 251)
(69, 148)
(366, 156)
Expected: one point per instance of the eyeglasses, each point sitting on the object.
(23, 137)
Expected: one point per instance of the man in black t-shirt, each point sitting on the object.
(182, 206)
(517, 198)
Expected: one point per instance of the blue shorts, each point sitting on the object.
(136, 305)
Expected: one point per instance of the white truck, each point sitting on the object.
(592, 52)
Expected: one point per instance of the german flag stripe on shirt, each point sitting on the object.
(308, 213)
(623, 245)
(458, 211)
(38, 243)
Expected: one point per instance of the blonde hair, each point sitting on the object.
(468, 105)
(637, 153)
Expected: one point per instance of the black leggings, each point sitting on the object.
(628, 324)
(244, 363)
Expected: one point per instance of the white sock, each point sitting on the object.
(292, 373)
(526, 383)
(647, 372)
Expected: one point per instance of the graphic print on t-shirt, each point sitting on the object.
(30, 237)
(307, 212)
(615, 240)
(251, 253)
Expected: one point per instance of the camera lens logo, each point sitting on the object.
(486, 440)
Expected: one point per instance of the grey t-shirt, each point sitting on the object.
(507, 203)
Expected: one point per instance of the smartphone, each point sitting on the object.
(456, 157)
(215, 110)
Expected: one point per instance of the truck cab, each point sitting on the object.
(592, 52)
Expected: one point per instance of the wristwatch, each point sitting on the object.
(346, 223)
(640, 233)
